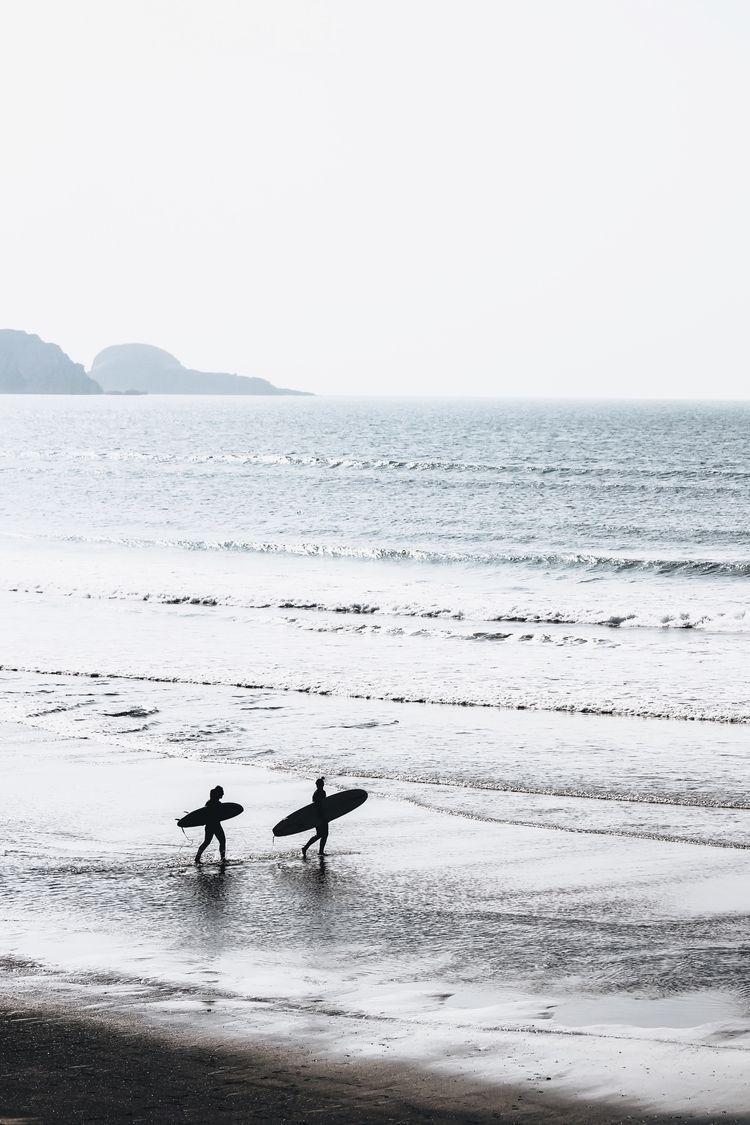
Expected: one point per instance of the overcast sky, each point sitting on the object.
(396, 196)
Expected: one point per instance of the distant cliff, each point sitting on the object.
(141, 367)
(30, 366)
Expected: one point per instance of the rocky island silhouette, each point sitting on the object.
(30, 365)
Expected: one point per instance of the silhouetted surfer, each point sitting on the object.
(213, 825)
(319, 797)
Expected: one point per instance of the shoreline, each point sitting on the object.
(56, 1066)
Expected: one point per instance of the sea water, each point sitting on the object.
(523, 626)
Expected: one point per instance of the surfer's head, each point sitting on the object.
(320, 782)
(217, 793)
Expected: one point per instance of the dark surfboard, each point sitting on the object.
(338, 804)
(198, 817)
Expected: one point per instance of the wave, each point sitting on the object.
(736, 621)
(676, 712)
(481, 635)
(589, 561)
(133, 713)
(384, 462)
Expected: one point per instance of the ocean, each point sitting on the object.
(521, 625)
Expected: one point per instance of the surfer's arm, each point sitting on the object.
(319, 813)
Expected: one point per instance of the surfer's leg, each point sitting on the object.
(219, 834)
(322, 836)
(309, 842)
(208, 837)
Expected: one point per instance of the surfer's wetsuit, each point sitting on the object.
(319, 797)
(213, 826)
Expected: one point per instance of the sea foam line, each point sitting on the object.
(725, 622)
(504, 704)
(578, 830)
(567, 560)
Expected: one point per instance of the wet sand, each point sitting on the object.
(56, 1068)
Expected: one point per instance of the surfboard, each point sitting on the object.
(198, 817)
(338, 804)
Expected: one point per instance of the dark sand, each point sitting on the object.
(56, 1068)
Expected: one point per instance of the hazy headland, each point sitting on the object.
(29, 365)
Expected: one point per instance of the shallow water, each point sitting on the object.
(397, 873)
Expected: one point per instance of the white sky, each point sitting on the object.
(397, 196)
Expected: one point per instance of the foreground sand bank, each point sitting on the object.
(55, 1067)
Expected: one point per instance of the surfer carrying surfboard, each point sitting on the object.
(318, 797)
(213, 825)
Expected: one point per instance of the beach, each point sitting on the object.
(59, 1068)
(541, 913)
(63, 1069)
(413, 967)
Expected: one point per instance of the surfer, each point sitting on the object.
(318, 797)
(213, 825)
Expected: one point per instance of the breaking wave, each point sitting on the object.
(481, 635)
(501, 700)
(688, 474)
(589, 561)
(734, 622)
